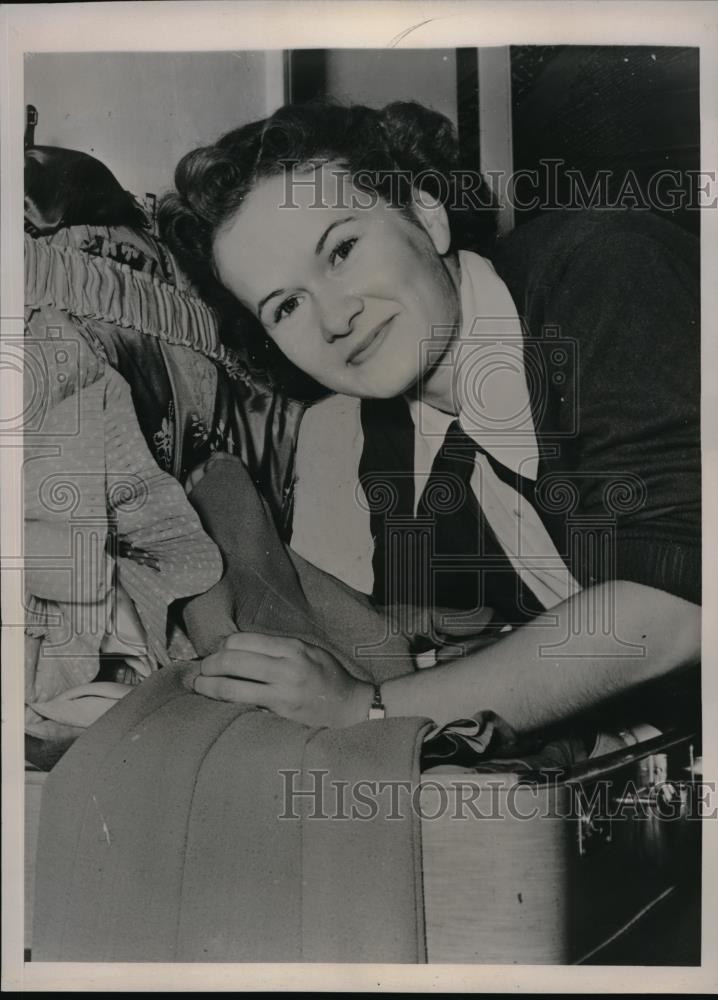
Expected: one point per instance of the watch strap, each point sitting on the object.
(377, 709)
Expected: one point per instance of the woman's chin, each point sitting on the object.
(380, 390)
(372, 380)
(380, 382)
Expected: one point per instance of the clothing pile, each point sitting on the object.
(166, 832)
(127, 388)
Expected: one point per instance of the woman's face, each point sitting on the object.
(350, 290)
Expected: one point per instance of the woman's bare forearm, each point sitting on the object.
(603, 641)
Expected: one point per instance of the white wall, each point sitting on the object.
(140, 112)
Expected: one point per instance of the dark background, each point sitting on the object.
(616, 108)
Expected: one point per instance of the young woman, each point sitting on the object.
(513, 427)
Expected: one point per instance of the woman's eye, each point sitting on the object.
(342, 250)
(286, 308)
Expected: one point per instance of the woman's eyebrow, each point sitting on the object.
(265, 300)
(317, 250)
(323, 238)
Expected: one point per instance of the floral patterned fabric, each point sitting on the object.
(128, 388)
(192, 394)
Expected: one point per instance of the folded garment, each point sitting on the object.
(183, 829)
(111, 542)
(82, 705)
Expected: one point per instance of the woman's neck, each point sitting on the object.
(437, 388)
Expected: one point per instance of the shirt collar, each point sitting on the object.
(489, 376)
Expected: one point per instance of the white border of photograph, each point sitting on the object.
(278, 25)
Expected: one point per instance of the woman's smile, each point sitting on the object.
(335, 291)
(369, 345)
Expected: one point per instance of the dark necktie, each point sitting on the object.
(447, 556)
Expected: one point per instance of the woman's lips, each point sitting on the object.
(370, 345)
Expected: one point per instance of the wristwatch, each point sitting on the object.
(377, 710)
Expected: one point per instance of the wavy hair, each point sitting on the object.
(376, 146)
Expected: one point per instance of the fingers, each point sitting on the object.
(467, 624)
(291, 678)
(246, 665)
(267, 645)
(231, 689)
(445, 654)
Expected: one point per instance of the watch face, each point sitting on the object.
(377, 713)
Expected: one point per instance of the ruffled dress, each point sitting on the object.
(127, 388)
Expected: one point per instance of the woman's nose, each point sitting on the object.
(338, 313)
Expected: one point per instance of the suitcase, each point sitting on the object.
(555, 868)
(545, 868)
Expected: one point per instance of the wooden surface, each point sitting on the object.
(34, 780)
(495, 889)
(501, 889)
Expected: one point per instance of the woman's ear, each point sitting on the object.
(432, 216)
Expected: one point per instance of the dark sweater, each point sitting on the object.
(612, 306)
(610, 303)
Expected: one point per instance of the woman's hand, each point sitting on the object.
(290, 677)
(470, 634)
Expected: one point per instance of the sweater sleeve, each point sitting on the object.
(630, 407)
